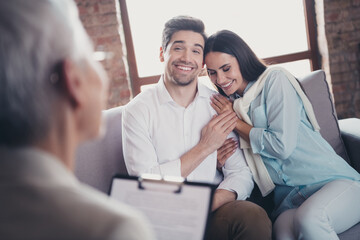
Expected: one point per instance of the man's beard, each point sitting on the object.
(184, 83)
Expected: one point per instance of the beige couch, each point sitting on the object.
(99, 160)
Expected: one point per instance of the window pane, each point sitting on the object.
(297, 68)
(271, 28)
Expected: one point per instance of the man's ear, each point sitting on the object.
(73, 82)
(161, 55)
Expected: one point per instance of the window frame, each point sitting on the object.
(312, 54)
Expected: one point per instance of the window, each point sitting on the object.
(279, 31)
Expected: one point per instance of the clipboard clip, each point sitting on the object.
(156, 182)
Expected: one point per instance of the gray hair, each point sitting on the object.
(36, 37)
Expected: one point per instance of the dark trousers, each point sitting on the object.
(239, 220)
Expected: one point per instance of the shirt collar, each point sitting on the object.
(236, 95)
(164, 96)
(248, 86)
(162, 93)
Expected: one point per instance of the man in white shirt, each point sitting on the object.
(171, 129)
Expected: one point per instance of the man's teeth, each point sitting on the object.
(184, 68)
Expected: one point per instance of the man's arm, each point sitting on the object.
(238, 182)
(140, 154)
(222, 197)
(138, 149)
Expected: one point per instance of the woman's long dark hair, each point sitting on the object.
(226, 41)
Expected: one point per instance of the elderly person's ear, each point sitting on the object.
(74, 82)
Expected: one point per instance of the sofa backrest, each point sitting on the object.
(317, 90)
(98, 160)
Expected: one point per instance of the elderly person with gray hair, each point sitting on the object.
(51, 96)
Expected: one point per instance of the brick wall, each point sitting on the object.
(101, 21)
(339, 43)
(342, 30)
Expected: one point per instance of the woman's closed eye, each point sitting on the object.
(226, 68)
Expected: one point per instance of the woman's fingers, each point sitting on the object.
(225, 151)
(215, 102)
(215, 107)
(222, 103)
(229, 146)
(221, 99)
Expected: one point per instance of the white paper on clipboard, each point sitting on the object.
(177, 210)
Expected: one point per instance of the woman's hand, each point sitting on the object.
(221, 103)
(225, 151)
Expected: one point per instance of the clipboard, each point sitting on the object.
(176, 209)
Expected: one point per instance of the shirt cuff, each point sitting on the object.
(242, 192)
(230, 190)
(256, 140)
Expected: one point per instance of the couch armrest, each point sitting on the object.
(350, 133)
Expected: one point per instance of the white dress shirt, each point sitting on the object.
(157, 132)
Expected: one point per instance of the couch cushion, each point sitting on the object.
(98, 160)
(317, 90)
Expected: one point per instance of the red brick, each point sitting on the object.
(107, 19)
(107, 8)
(355, 13)
(332, 17)
(355, 3)
(103, 31)
(340, 97)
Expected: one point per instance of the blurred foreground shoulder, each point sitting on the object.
(119, 221)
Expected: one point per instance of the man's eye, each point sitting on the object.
(196, 51)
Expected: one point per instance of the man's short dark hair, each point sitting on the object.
(182, 23)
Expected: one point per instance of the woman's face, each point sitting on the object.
(224, 71)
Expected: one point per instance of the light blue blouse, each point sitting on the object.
(295, 155)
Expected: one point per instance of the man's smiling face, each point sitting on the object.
(183, 57)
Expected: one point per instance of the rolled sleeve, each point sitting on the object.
(172, 168)
(256, 139)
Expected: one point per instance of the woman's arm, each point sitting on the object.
(277, 138)
(276, 118)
